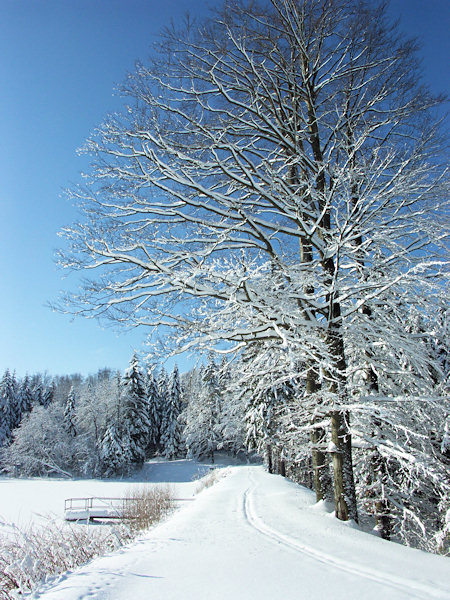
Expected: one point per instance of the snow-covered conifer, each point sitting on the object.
(69, 413)
(163, 386)
(261, 423)
(37, 388)
(154, 410)
(136, 410)
(171, 429)
(25, 395)
(115, 453)
(48, 394)
(202, 430)
(9, 418)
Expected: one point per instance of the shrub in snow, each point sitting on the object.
(146, 506)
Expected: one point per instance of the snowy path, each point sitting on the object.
(254, 535)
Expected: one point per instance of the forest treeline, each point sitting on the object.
(111, 422)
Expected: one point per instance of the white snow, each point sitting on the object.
(103, 512)
(252, 535)
(34, 500)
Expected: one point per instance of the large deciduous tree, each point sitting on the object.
(275, 181)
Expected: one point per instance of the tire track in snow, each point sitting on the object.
(415, 589)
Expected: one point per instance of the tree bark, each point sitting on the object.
(343, 478)
(269, 458)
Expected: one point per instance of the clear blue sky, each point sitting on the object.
(59, 62)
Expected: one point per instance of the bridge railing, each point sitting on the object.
(100, 507)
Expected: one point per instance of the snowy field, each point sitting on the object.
(251, 535)
(26, 501)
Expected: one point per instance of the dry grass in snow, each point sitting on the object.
(146, 506)
(210, 479)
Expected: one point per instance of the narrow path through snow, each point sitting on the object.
(254, 535)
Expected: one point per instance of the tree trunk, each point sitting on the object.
(379, 473)
(382, 508)
(344, 483)
(319, 459)
(269, 458)
(320, 470)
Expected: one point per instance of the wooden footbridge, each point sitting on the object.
(97, 507)
(94, 507)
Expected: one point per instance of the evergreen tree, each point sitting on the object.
(25, 395)
(163, 386)
(15, 404)
(69, 414)
(162, 382)
(7, 406)
(154, 411)
(202, 416)
(136, 411)
(37, 389)
(48, 394)
(171, 430)
(232, 426)
(115, 452)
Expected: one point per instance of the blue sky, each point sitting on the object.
(60, 61)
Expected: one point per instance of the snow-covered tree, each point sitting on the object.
(95, 409)
(202, 416)
(163, 383)
(40, 446)
(115, 454)
(48, 394)
(154, 410)
(37, 386)
(69, 413)
(277, 183)
(136, 418)
(171, 428)
(232, 425)
(9, 416)
(25, 395)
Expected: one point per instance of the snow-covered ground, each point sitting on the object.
(251, 535)
(35, 500)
